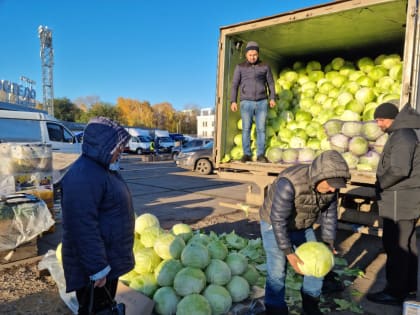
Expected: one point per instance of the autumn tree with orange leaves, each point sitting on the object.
(135, 113)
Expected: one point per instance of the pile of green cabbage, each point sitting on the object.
(190, 272)
(311, 94)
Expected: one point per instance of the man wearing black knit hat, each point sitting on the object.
(252, 78)
(398, 193)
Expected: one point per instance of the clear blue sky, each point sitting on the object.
(155, 51)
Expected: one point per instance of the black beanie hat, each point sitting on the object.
(252, 46)
(386, 110)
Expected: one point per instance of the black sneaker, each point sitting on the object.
(246, 158)
(262, 158)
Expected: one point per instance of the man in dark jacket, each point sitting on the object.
(98, 216)
(398, 185)
(252, 78)
(299, 196)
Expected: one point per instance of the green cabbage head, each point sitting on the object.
(193, 304)
(219, 299)
(317, 259)
(166, 301)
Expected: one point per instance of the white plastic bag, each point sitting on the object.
(22, 218)
(50, 262)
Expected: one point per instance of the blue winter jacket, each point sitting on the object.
(98, 215)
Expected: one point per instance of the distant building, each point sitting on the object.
(206, 123)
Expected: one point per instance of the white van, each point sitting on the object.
(21, 126)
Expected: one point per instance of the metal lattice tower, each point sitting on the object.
(47, 62)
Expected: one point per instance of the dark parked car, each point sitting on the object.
(196, 159)
(194, 143)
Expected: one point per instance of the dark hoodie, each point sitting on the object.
(292, 202)
(98, 215)
(398, 173)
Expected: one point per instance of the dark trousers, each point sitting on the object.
(399, 241)
(100, 299)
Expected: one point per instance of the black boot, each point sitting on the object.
(275, 310)
(310, 305)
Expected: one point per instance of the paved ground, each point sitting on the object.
(175, 195)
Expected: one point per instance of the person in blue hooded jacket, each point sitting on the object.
(98, 216)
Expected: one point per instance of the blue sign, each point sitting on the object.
(23, 94)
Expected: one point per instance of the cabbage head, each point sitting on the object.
(144, 221)
(58, 253)
(166, 301)
(150, 235)
(236, 153)
(219, 299)
(306, 155)
(237, 263)
(349, 115)
(371, 130)
(195, 255)
(183, 230)
(351, 128)
(126, 278)
(169, 246)
(166, 271)
(333, 127)
(290, 155)
(200, 238)
(251, 275)
(146, 260)
(351, 159)
(339, 142)
(193, 304)
(238, 288)
(317, 259)
(369, 161)
(189, 280)
(358, 146)
(237, 139)
(274, 154)
(144, 283)
(218, 272)
(217, 249)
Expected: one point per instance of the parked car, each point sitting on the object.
(138, 144)
(196, 159)
(27, 126)
(165, 144)
(190, 144)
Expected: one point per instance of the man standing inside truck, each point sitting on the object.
(398, 190)
(252, 78)
(295, 200)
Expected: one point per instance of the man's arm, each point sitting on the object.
(403, 145)
(281, 210)
(271, 85)
(236, 80)
(329, 219)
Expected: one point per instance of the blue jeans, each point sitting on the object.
(277, 264)
(248, 110)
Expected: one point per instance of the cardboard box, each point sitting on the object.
(135, 302)
(411, 308)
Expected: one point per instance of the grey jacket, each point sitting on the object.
(292, 202)
(398, 173)
(252, 81)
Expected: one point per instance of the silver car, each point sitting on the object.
(196, 159)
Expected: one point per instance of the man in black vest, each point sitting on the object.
(295, 200)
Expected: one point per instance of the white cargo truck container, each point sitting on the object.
(350, 29)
